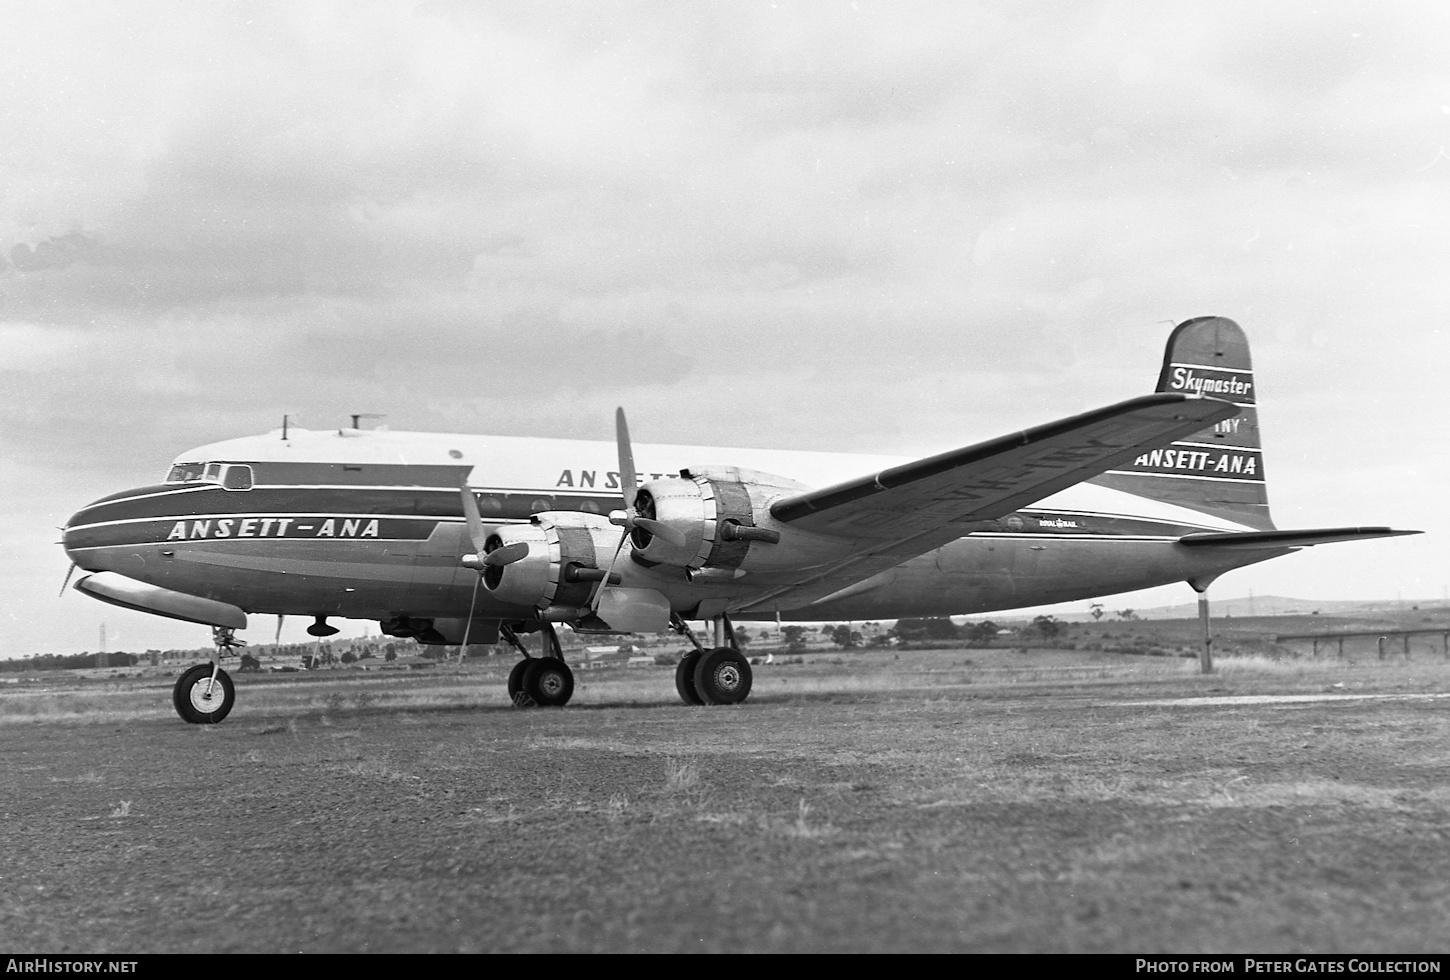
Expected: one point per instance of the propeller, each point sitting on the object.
(504, 555)
(630, 518)
(481, 557)
(468, 623)
(68, 573)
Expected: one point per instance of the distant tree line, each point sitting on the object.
(68, 661)
(942, 629)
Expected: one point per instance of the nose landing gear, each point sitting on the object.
(204, 694)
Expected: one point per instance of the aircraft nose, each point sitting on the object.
(71, 539)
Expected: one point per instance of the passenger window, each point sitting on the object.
(238, 478)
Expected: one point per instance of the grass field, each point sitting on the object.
(962, 800)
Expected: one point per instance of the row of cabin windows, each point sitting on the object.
(231, 476)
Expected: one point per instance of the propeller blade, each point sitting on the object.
(508, 554)
(608, 573)
(628, 479)
(664, 532)
(476, 533)
(68, 573)
(468, 623)
(277, 639)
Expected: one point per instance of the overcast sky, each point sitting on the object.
(887, 227)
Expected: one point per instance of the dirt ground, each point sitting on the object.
(956, 801)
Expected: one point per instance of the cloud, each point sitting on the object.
(885, 227)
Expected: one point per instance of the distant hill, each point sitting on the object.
(1273, 605)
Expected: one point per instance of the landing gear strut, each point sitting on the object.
(204, 694)
(718, 676)
(544, 681)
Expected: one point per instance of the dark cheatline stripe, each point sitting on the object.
(159, 502)
(251, 528)
(1068, 525)
(335, 526)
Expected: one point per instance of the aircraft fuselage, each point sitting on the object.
(367, 524)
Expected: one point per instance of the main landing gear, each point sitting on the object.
(717, 676)
(204, 694)
(544, 681)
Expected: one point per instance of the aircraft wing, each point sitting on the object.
(995, 478)
(849, 575)
(908, 510)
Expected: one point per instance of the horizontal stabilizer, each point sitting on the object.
(1289, 539)
(120, 590)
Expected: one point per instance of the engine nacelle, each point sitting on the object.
(724, 515)
(568, 555)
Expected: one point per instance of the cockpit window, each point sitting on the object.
(237, 477)
(185, 473)
(232, 476)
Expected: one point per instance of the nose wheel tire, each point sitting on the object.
(201, 700)
(722, 676)
(546, 682)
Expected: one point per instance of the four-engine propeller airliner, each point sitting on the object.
(466, 538)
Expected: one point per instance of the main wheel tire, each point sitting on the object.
(549, 682)
(516, 685)
(200, 702)
(723, 677)
(685, 678)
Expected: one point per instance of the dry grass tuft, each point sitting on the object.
(615, 809)
(682, 777)
(1258, 664)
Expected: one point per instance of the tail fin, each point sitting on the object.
(1219, 470)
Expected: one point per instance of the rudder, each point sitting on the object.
(1219, 470)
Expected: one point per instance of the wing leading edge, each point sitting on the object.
(994, 478)
(1273, 540)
